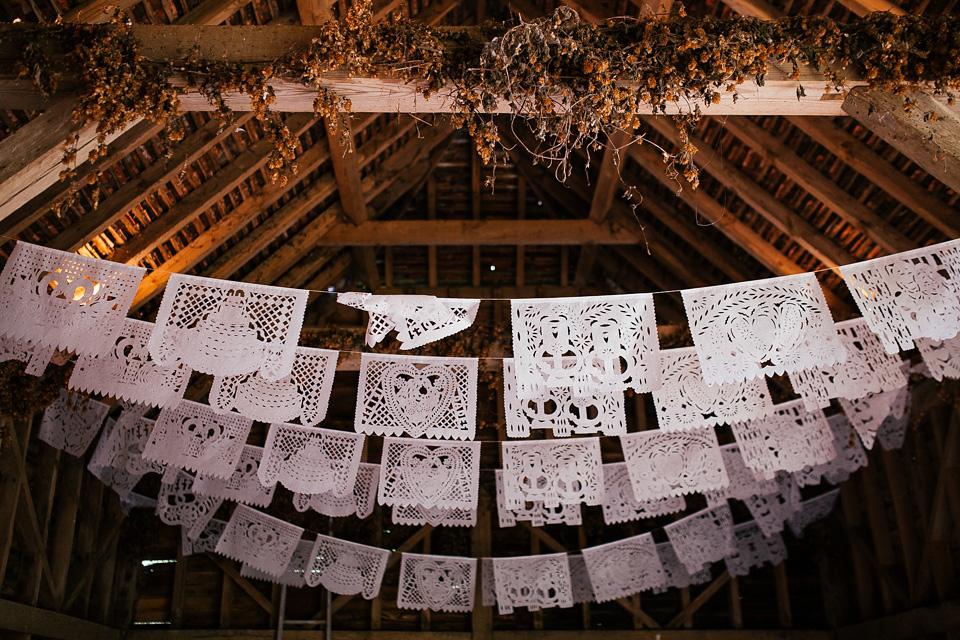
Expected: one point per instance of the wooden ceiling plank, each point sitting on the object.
(755, 8)
(928, 134)
(97, 11)
(727, 224)
(212, 191)
(154, 177)
(871, 165)
(608, 178)
(212, 12)
(31, 158)
(123, 146)
(436, 11)
(326, 272)
(863, 7)
(808, 178)
(764, 203)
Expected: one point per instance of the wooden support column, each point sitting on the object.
(784, 611)
(861, 569)
(481, 546)
(736, 611)
(64, 524)
(103, 584)
(179, 588)
(10, 486)
(903, 512)
(226, 602)
(931, 142)
(45, 483)
(88, 523)
(869, 482)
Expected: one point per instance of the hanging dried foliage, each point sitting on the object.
(572, 81)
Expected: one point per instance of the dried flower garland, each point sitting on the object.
(572, 81)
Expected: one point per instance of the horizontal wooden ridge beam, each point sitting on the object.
(431, 233)
(611, 634)
(265, 44)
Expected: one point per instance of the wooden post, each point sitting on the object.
(861, 569)
(481, 546)
(736, 612)
(684, 603)
(226, 603)
(903, 512)
(879, 529)
(585, 606)
(88, 523)
(64, 524)
(104, 585)
(10, 486)
(783, 596)
(179, 587)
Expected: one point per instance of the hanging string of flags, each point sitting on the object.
(573, 358)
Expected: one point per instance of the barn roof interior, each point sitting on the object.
(406, 205)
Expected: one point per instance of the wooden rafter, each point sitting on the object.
(764, 203)
(928, 133)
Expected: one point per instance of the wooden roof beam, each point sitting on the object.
(254, 44)
(154, 177)
(871, 165)
(808, 178)
(928, 134)
(727, 224)
(755, 8)
(314, 12)
(763, 202)
(31, 158)
(403, 166)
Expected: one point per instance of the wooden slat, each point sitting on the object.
(883, 174)
(931, 142)
(764, 203)
(231, 572)
(608, 178)
(756, 8)
(819, 186)
(40, 622)
(96, 11)
(163, 170)
(30, 158)
(863, 7)
(315, 11)
(699, 601)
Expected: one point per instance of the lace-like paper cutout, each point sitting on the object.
(122, 446)
(558, 409)
(553, 472)
(536, 513)
(536, 582)
(588, 344)
(811, 511)
(124, 370)
(850, 455)
(702, 537)
(243, 485)
(418, 395)
(228, 328)
(37, 357)
(910, 295)
(868, 369)
(744, 482)
(434, 516)
(418, 320)
(71, 422)
(437, 583)
(259, 541)
(205, 541)
(663, 464)
(347, 568)
(685, 401)
(359, 502)
(431, 474)
(178, 503)
(894, 428)
(488, 586)
(580, 580)
(192, 436)
(311, 460)
(620, 504)
(675, 574)
(867, 414)
(942, 357)
(752, 549)
(136, 501)
(787, 440)
(748, 329)
(622, 568)
(295, 573)
(304, 394)
(770, 510)
(63, 300)
(117, 478)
